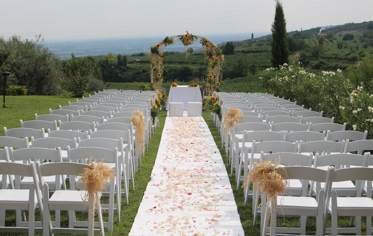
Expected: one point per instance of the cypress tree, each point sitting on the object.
(280, 49)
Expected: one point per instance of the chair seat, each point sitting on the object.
(348, 205)
(297, 205)
(68, 199)
(17, 199)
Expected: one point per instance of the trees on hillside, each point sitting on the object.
(280, 50)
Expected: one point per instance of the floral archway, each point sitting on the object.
(214, 60)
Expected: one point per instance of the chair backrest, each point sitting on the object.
(113, 134)
(8, 141)
(20, 170)
(304, 173)
(77, 125)
(250, 126)
(358, 146)
(106, 114)
(119, 119)
(54, 142)
(319, 127)
(288, 158)
(274, 146)
(356, 173)
(249, 118)
(51, 117)
(316, 119)
(115, 126)
(123, 113)
(289, 126)
(282, 118)
(24, 132)
(322, 147)
(64, 112)
(340, 160)
(98, 154)
(68, 134)
(274, 112)
(83, 103)
(104, 108)
(307, 113)
(39, 124)
(35, 154)
(262, 135)
(87, 118)
(61, 168)
(304, 136)
(75, 107)
(351, 135)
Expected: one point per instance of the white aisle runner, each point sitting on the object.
(189, 192)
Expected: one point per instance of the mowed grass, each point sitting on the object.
(25, 107)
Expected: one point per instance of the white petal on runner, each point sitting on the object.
(189, 192)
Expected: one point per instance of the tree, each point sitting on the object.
(252, 35)
(228, 49)
(31, 65)
(280, 49)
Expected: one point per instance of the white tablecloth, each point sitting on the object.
(185, 94)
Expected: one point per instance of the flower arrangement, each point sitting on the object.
(174, 84)
(193, 84)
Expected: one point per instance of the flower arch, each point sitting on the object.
(214, 59)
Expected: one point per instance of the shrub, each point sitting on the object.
(16, 90)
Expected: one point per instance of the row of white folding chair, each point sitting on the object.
(77, 154)
(328, 201)
(130, 162)
(249, 154)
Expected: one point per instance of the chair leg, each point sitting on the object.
(2, 217)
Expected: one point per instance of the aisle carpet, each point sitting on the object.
(189, 192)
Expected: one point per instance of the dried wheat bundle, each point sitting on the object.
(138, 121)
(233, 115)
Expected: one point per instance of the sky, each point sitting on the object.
(91, 19)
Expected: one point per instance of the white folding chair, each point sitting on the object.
(282, 118)
(80, 126)
(316, 119)
(289, 126)
(130, 161)
(355, 206)
(340, 160)
(19, 199)
(304, 136)
(68, 134)
(14, 142)
(307, 113)
(51, 117)
(64, 112)
(358, 146)
(113, 189)
(70, 200)
(324, 127)
(235, 138)
(24, 132)
(294, 186)
(111, 144)
(242, 161)
(74, 107)
(351, 135)
(39, 124)
(265, 147)
(298, 205)
(87, 118)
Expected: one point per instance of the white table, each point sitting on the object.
(185, 94)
